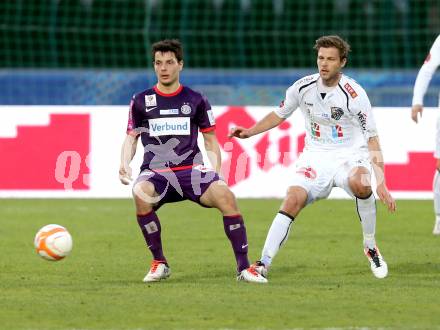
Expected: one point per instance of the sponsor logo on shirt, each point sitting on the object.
(305, 80)
(350, 90)
(150, 100)
(316, 131)
(336, 113)
(362, 120)
(337, 131)
(169, 126)
(185, 109)
(169, 111)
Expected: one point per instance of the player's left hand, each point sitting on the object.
(385, 197)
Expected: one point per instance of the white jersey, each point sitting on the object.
(426, 72)
(341, 121)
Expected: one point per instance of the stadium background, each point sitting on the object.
(237, 52)
(92, 55)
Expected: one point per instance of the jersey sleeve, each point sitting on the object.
(289, 104)
(204, 116)
(133, 118)
(364, 115)
(432, 62)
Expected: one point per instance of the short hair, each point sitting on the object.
(168, 45)
(333, 41)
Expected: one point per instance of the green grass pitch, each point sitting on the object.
(320, 279)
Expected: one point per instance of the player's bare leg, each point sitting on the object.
(359, 183)
(219, 195)
(144, 196)
(293, 203)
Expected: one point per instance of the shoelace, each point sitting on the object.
(374, 257)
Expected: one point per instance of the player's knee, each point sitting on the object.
(229, 199)
(226, 201)
(360, 190)
(143, 192)
(359, 183)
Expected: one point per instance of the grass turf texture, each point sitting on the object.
(319, 279)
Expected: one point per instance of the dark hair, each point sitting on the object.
(333, 41)
(168, 45)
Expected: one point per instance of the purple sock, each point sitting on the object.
(151, 229)
(236, 232)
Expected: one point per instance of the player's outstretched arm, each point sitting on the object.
(378, 169)
(128, 151)
(270, 121)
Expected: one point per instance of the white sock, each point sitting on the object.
(276, 237)
(366, 209)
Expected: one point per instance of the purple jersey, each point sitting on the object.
(169, 126)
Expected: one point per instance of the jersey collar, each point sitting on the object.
(170, 94)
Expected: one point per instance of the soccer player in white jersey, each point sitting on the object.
(342, 147)
(432, 62)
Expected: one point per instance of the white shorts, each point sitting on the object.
(319, 172)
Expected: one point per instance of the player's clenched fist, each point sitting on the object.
(239, 132)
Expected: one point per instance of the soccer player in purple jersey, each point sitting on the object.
(168, 118)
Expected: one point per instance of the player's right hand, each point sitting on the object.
(386, 198)
(125, 175)
(415, 111)
(239, 132)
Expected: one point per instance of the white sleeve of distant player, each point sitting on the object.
(290, 103)
(426, 72)
(365, 116)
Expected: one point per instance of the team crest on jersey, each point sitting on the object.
(185, 109)
(282, 104)
(150, 100)
(336, 113)
(350, 90)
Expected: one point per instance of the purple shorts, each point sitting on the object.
(176, 186)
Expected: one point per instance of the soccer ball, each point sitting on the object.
(53, 242)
